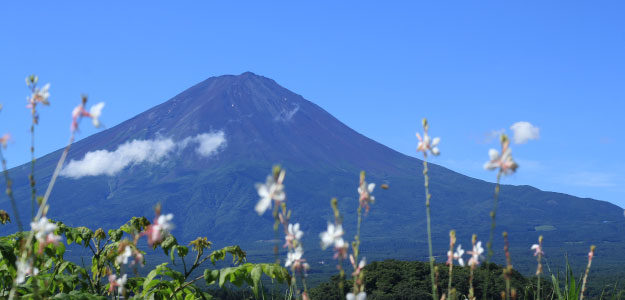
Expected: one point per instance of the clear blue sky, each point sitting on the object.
(378, 67)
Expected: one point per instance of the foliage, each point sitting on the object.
(393, 279)
(58, 277)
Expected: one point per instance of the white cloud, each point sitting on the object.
(103, 162)
(208, 143)
(524, 131)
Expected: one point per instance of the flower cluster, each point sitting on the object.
(38, 95)
(25, 268)
(476, 254)
(273, 189)
(115, 282)
(364, 190)
(427, 144)
(537, 250)
(334, 236)
(125, 252)
(359, 286)
(456, 255)
(44, 232)
(295, 259)
(79, 112)
(503, 161)
(159, 230)
(292, 237)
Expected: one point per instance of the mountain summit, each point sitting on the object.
(200, 153)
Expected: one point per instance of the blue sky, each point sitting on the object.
(378, 67)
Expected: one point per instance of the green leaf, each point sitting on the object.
(116, 235)
(168, 243)
(211, 276)
(238, 255)
(255, 274)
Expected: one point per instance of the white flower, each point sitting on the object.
(504, 162)
(44, 231)
(537, 250)
(80, 112)
(164, 221)
(366, 192)
(159, 229)
(271, 190)
(294, 231)
(120, 282)
(476, 254)
(25, 268)
(123, 257)
(294, 256)
(365, 189)
(40, 95)
(332, 236)
(426, 144)
(95, 112)
(360, 296)
(457, 255)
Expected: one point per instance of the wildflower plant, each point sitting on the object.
(333, 236)
(273, 191)
(38, 96)
(427, 145)
(451, 256)
(474, 261)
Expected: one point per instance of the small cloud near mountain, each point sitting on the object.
(103, 162)
(524, 131)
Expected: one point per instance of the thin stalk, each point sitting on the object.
(31, 178)
(451, 267)
(44, 202)
(539, 268)
(429, 226)
(356, 246)
(472, 268)
(508, 269)
(489, 245)
(590, 255)
(471, 290)
(304, 283)
(452, 243)
(9, 192)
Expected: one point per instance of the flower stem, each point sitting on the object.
(590, 255)
(508, 268)
(42, 206)
(471, 290)
(31, 178)
(356, 247)
(429, 226)
(539, 267)
(452, 242)
(489, 245)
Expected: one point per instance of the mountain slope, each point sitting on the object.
(263, 124)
